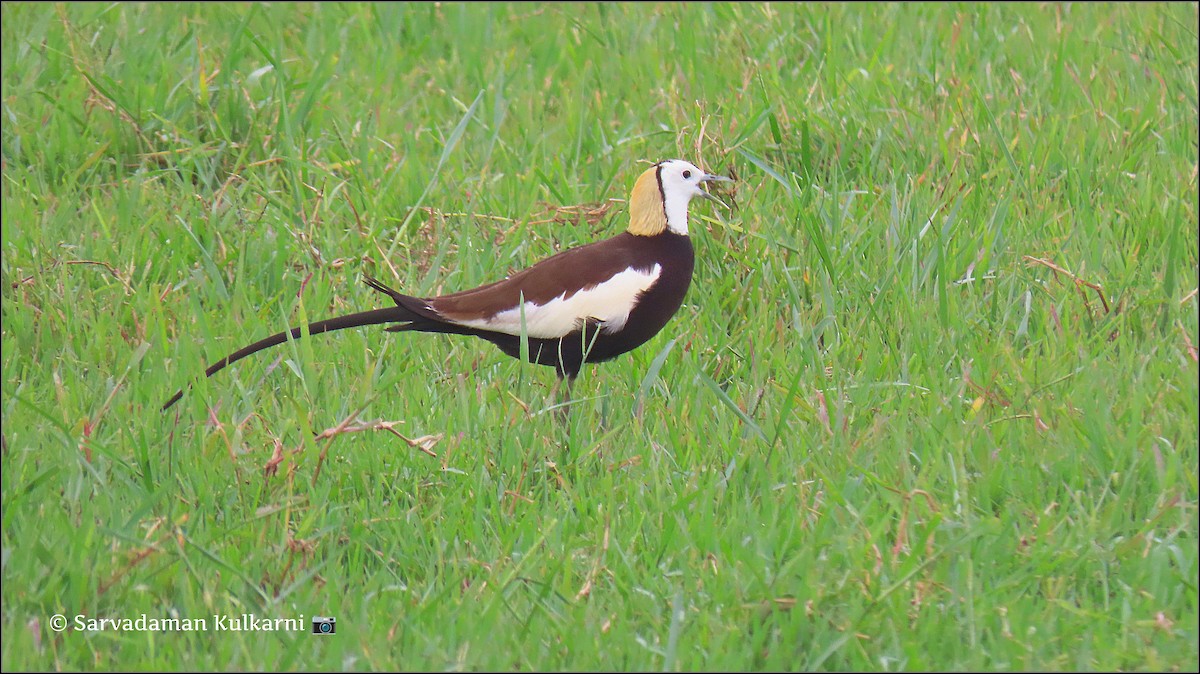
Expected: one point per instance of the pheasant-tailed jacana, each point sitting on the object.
(584, 305)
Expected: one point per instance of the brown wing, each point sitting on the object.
(564, 274)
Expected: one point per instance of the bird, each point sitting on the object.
(586, 304)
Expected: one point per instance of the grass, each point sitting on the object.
(932, 401)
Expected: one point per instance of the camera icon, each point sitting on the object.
(324, 625)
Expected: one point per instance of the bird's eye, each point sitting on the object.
(687, 174)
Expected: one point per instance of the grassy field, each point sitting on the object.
(931, 403)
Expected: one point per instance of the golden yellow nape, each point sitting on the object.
(647, 216)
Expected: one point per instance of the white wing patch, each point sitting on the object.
(609, 302)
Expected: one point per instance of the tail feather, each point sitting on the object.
(409, 314)
(424, 318)
(398, 314)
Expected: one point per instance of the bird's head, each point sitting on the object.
(661, 194)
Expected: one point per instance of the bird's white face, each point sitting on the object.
(681, 181)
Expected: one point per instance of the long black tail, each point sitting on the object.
(395, 314)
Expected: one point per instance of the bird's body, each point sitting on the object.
(586, 304)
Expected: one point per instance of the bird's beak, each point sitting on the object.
(710, 178)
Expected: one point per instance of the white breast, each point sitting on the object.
(609, 302)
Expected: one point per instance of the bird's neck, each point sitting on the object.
(677, 215)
